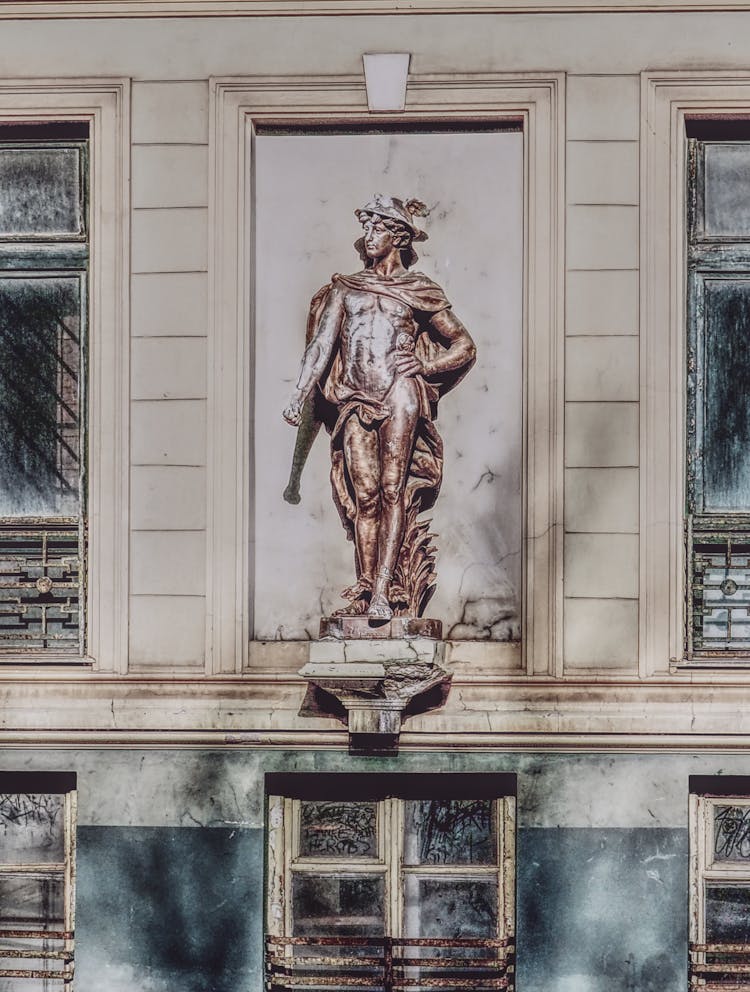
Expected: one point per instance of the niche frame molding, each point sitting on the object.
(236, 104)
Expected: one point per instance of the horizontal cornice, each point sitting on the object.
(265, 712)
(24, 9)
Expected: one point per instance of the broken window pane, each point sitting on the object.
(32, 829)
(453, 832)
(341, 906)
(728, 914)
(40, 419)
(41, 192)
(336, 829)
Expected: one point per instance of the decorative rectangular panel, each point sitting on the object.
(41, 594)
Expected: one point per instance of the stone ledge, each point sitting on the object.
(492, 714)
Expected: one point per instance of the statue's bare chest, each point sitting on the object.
(376, 316)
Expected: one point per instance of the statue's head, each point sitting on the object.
(398, 218)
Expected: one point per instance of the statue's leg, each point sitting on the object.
(396, 446)
(362, 465)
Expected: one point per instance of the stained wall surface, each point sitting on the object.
(171, 854)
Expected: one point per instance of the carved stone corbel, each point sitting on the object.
(372, 685)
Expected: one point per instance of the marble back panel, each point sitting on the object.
(306, 190)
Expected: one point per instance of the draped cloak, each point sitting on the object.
(424, 298)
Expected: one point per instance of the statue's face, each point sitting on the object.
(378, 239)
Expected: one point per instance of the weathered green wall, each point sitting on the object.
(171, 853)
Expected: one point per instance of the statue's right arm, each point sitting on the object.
(317, 354)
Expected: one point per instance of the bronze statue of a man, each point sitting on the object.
(383, 345)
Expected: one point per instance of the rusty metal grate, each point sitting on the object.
(41, 595)
(389, 964)
(56, 962)
(719, 967)
(719, 586)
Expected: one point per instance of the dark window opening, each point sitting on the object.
(44, 264)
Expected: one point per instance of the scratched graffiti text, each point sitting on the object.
(339, 830)
(450, 832)
(31, 828)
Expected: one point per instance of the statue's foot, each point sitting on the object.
(359, 599)
(357, 608)
(360, 590)
(380, 609)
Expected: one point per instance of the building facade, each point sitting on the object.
(177, 179)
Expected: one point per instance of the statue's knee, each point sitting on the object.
(368, 502)
(392, 494)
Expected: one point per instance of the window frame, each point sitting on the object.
(103, 104)
(66, 256)
(711, 259)
(669, 99)
(284, 860)
(34, 783)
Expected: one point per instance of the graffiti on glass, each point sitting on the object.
(29, 809)
(732, 833)
(455, 831)
(338, 829)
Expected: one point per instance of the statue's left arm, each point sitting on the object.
(453, 362)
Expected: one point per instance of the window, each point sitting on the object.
(37, 881)
(720, 884)
(399, 882)
(43, 304)
(718, 401)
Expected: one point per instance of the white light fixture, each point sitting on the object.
(385, 78)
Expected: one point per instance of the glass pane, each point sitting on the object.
(727, 207)
(450, 908)
(40, 191)
(726, 430)
(31, 902)
(454, 832)
(341, 830)
(40, 415)
(732, 833)
(32, 829)
(328, 906)
(31, 984)
(728, 914)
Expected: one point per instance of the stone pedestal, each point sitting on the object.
(376, 682)
(351, 627)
